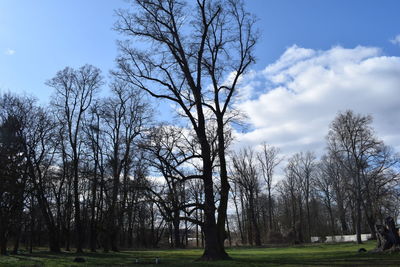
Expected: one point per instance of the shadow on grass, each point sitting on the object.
(306, 255)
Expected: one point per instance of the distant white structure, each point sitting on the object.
(340, 238)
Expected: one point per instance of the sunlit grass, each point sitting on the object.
(306, 255)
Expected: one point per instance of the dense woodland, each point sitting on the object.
(95, 169)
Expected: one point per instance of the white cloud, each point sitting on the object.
(9, 52)
(396, 40)
(301, 93)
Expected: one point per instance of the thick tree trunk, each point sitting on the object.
(388, 236)
(213, 249)
(177, 236)
(224, 191)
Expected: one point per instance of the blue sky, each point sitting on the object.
(47, 35)
(38, 38)
(320, 24)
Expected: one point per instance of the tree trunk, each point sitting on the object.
(213, 249)
(113, 228)
(257, 237)
(388, 236)
(93, 224)
(358, 214)
(270, 208)
(177, 236)
(78, 222)
(224, 191)
(229, 233)
(197, 227)
(238, 219)
(308, 220)
(300, 224)
(3, 243)
(54, 240)
(31, 225)
(342, 218)
(371, 223)
(332, 220)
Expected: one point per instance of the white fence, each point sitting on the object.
(340, 238)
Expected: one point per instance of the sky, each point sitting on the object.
(314, 58)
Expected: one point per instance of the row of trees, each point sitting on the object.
(96, 172)
(80, 160)
(348, 190)
(75, 161)
(139, 185)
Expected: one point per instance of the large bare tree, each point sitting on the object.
(195, 62)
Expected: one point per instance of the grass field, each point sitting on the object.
(307, 255)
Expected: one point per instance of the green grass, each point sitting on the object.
(307, 255)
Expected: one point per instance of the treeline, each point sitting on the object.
(72, 173)
(352, 187)
(92, 172)
(79, 169)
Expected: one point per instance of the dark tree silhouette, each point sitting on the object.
(213, 47)
(75, 90)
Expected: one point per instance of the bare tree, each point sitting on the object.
(269, 159)
(74, 94)
(351, 140)
(94, 142)
(247, 177)
(214, 47)
(12, 173)
(379, 177)
(41, 145)
(38, 145)
(124, 116)
(173, 154)
(302, 166)
(291, 192)
(324, 183)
